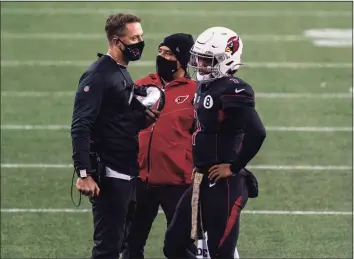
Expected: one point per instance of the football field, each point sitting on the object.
(298, 58)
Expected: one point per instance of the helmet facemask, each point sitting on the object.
(203, 65)
(207, 66)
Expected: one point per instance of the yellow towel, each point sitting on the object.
(198, 177)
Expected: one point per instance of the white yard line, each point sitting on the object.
(310, 129)
(260, 167)
(269, 95)
(157, 36)
(36, 94)
(262, 212)
(34, 127)
(305, 95)
(268, 128)
(151, 63)
(176, 12)
(36, 166)
(301, 167)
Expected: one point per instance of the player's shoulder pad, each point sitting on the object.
(236, 93)
(234, 85)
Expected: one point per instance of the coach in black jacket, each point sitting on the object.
(105, 124)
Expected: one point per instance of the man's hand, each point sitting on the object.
(152, 116)
(153, 113)
(87, 187)
(217, 172)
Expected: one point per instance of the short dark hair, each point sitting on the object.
(115, 24)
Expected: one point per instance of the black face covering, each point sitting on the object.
(166, 68)
(134, 51)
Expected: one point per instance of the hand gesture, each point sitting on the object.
(217, 172)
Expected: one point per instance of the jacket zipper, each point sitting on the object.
(150, 141)
(216, 147)
(149, 148)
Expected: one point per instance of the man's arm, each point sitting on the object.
(86, 108)
(254, 135)
(144, 117)
(239, 104)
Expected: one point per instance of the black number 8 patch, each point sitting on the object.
(208, 102)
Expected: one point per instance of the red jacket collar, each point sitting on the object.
(183, 80)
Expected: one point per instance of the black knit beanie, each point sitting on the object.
(180, 44)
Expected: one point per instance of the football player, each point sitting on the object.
(229, 134)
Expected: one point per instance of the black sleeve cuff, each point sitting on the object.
(234, 167)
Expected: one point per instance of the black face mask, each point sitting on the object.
(134, 51)
(166, 68)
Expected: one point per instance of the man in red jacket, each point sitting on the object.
(165, 155)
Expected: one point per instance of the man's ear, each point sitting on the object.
(116, 42)
(120, 44)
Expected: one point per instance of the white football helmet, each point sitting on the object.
(216, 53)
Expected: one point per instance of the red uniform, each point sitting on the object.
(165, 148)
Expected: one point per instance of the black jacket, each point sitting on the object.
(229, 129)
(103, 115)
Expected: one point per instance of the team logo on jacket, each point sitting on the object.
(181, 99)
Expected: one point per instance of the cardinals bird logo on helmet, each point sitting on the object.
(232, 45)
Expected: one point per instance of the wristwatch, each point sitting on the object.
(81, 173)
